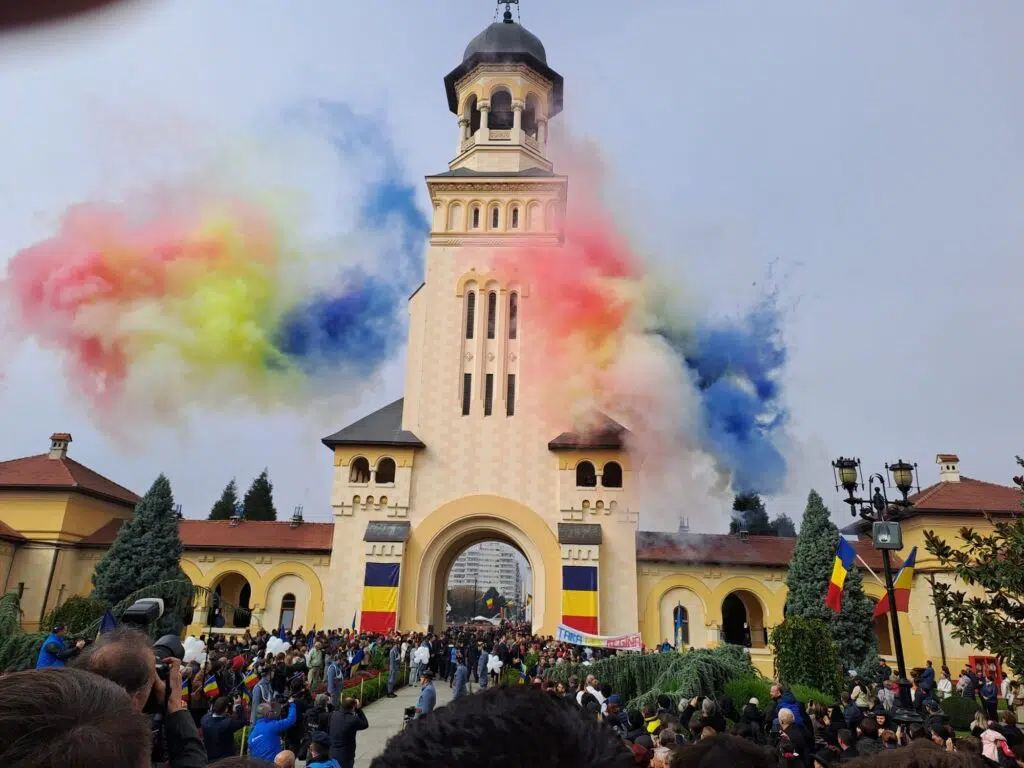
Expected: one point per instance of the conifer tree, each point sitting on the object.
(225, 506)
(783, 526)
(259, 499)
(807, 581)
(750, 515)
(147, 549)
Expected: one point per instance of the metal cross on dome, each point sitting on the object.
(508, 9)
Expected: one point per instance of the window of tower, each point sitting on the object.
(530, 116)
(494, 218)
(501, 111)
(470, 313)
(492, 312)
(473, 113)
(586, 475)
(476, 217)
(515, 218)
(513, 315)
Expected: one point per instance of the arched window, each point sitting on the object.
(530, 116)
(470, 312)
(473, 113)
(681, 625)
(501, 111)
(515, 218)
(494, 218)
(454, 217)
(476, 217)
(385, 471)
(513, 315)
(359, 472)
(287, 611)
(492, 313)
(586, 476)
(611, 475)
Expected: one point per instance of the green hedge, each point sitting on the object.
(76, 613)
(745, 688)
(960, 710)
(805, 655)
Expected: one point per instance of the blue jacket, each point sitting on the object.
(47, 658)
(219, 734)
(333, 678)
(427, 700)
(265, 739)
(261, 693)
(328, 763)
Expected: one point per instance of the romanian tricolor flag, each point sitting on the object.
(844, 562)
(490, 602)
(580, 598)
(901, 587)
(250, 679)
(184, 690)
(210, 688)
(246, 697)
(380, 598)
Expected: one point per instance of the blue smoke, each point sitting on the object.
(359, 324)
(735, 366)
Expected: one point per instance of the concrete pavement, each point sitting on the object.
(385, 718)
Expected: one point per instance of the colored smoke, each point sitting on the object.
(194, 294)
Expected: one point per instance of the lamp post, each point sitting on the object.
(878, 510)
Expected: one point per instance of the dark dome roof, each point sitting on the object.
(506, 37)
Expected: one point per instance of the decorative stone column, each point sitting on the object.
(517, 120)
(485, 113)
(542, 131)
(463, 134)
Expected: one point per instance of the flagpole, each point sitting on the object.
(861, 559)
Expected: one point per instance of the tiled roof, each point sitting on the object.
(382, 427)
(220, 534)
(62, 474)
(730, 549)
(9, 534)
(606, 434)
(947, 458)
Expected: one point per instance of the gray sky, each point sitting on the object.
(867, 153)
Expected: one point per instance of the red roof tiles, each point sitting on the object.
(947, 458)
(220, 534)
(968, 495)
(61, 474)
(730, 549)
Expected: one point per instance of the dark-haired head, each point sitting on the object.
(241, 762)
(54, 718)
(723, 749)
(488, 728)
(123, 656)
(918, 754)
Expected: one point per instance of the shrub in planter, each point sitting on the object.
(744, 689)
(805, 694)
(805, 655)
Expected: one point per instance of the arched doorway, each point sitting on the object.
(489, 580)
(743, 620)
(681, 618)
(883, 634)
(230, 606)
(449, 530)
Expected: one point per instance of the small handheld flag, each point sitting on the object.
(184, 690)
(901, 587)
(108, 623)
(490, 602)
(250, 679)
(844, 562)
(210, 688)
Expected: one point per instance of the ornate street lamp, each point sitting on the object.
(886, 535)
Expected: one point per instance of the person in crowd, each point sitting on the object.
(125, 656)
(295, 738)
(284, 759)
(55, 651)
(55, 718)
(796, 735)
(1008, 727)
(926, 680)
(723, 750)
(460, 680)
(245, 761)
(315, 662)
(851, 712)
(265, 740)
(344, 725)
(319, 752)
(481, 666)
(428, 696)
(979, 723)
(394, 664)
(709, 716)
(989, 696)
(944, 686)
(867, 737)
(219, 728)
(847, 746)
(490, 728)
(335, 681)
(263, 693)
(319, 717)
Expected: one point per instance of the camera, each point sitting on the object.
(143, 613)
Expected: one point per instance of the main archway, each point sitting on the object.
(449, 530)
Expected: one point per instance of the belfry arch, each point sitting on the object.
(447, 531)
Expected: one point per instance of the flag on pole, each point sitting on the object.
(678, 618)
(844, 562)
(250, 679)
(108, 623)
(490, 602)
(354, 619)
(184, 690)
(210, 687)
(901, 587)
(311, 639)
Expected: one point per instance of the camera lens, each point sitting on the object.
(169, 647)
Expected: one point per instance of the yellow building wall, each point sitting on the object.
(36, 515)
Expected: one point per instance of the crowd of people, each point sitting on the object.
(113, 703)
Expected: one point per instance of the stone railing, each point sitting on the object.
(467, 143)
(531, 142)
(501, 135)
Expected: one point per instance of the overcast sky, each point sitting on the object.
(866, 153)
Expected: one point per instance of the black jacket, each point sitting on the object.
(184, 747)
(344, 727)
(219, 734)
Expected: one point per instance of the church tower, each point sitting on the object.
(464, 457)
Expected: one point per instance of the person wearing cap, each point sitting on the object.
(55, 652)
(319, 752)
(614, 715)
(428, 696)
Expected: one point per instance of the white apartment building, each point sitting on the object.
(489, 564)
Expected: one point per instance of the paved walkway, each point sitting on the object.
(385, 716)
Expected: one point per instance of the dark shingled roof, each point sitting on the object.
(607, 434)
(533, 172)
(382, 427)
(579, 533)
(387, 532)
(505, 42)
(731, 549)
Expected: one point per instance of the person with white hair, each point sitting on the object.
(795, 734)
(265, 738)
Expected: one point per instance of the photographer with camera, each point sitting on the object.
(55, 652)
(219, 727)
(151, 675)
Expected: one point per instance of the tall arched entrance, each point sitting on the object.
(436, 542)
